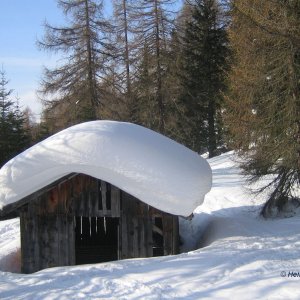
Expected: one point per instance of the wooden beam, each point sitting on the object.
(157, 230)
(10, 208)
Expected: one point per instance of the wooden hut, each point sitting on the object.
(80, 219)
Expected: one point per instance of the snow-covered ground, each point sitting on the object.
(242, 256)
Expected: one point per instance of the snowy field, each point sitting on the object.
(229, 253)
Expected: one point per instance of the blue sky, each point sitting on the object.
(21, 24)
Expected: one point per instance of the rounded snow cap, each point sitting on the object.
(143, 163)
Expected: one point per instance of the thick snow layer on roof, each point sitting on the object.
(145, 164)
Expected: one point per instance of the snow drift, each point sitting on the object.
(143, 163)
(246, 257)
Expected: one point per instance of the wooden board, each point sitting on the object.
(48, 222)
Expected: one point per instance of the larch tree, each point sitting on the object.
(74, 86)
(204, 66)
(30, 125)
(263, 112)
(123, 32)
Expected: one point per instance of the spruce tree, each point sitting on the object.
(13, 136)
(145, 110)
(263, 110)
(153, 21)
(205, 53)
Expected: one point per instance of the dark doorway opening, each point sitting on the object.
(157, 237)
(96, 239)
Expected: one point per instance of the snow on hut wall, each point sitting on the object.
(141, 162)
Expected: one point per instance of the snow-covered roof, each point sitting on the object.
(143, 163)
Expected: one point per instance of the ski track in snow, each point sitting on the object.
(242, 256)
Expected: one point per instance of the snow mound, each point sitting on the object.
(143, 163)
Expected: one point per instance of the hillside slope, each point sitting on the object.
(242, 256)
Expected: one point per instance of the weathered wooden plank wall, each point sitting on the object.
(46, 241)
(48, 222)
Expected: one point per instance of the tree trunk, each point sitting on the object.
(91, 77)
(212, 143)
(128, 83)
(159, 95)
